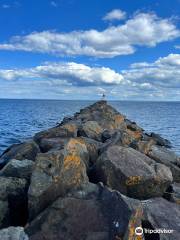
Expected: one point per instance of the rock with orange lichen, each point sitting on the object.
(56, 173)
(132, 173)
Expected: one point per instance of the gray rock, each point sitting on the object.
(132, 173)
(13, 233)
(64, 131)
(47, 144)
(161, 214)
(56, 173)
(18, 168)
(91, 129)
(13, 192)
(168, 158)
(27, 150)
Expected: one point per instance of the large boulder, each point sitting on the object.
(13, 191)
(56, 173)
(106, 215)
(18, 168)
(13, 233)
(161, 215)
(91, 129)
(64, 131)
(47, 144)
(168, 158)
(27, 150)
(132, 173)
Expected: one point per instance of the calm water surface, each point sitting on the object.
(20, 119)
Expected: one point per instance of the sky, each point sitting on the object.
(80, 49)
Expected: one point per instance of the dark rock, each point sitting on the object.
(18, 169)
(72, 219)
(161, 214)
(4, 214)
(13, 233)
(132, 173)
(14, 192)
(173, 193)
(56, 173)
(106, 215)
(106, 135)
(160, 141)
(168, 158)
(47, 144)
(27, 150)
(120, 138)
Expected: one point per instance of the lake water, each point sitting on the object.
(20, 119)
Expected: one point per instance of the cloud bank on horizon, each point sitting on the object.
(126, 35)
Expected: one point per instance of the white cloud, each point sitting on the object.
(66, 74)
(115, 14)
(144, 29)
(164, 72)
(157, 80)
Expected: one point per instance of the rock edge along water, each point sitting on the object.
(95, 176)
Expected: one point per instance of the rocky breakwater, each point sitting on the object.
(95, 176)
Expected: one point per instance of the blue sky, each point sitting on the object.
(78, 49)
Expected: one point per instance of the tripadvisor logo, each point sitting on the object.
(139, 231)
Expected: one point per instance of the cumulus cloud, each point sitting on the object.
(164, 72)
(157, 80)
(115, 14)
(72, 74)
(143, 29)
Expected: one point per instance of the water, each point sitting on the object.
(20, 119)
